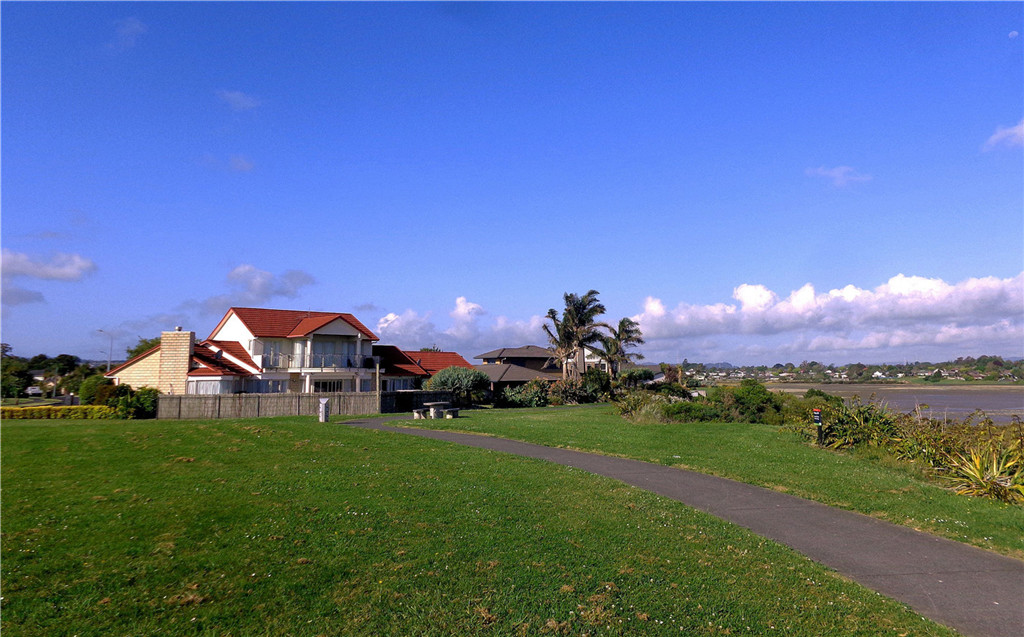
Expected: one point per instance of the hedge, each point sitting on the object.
(80, 412)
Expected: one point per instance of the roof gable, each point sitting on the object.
(264, 323)
(235, 350)
(211, 363)
(395, 362)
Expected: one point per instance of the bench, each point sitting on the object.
(419, 414)
(451, 413)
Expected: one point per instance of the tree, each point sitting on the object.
(72, 382)
(633, 377)
(623, 336)
(460, 381)
(15, 372)
(143, 346)
(63, 364)
(90, 386)
(576, 328)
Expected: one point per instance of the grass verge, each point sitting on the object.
(767, 456)
(291, 527)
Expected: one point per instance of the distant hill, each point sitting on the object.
(719, 366)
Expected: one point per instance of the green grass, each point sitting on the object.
(291, 527)
(766, 456)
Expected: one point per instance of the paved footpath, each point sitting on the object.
(977, 592)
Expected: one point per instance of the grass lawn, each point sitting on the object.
(766, 456)
(291, 527)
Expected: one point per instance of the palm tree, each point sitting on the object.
(576, 327)
(626, 334)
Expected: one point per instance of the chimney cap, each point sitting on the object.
(177, 328)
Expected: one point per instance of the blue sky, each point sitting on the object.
(755, 183)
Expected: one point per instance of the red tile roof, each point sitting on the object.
(434, 362)
(235, 350)
(214, 365)
(395, 362)
(264, 323)
(211, 365)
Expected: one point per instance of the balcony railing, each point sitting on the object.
(319, 361)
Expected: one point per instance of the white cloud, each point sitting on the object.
(753, 297)
(253, 287)
(840, 176)
(240, 164)
(61, 267)
(904, 312)
(18, 265)
(237, 100)
(1013, 35)
(470, 332)
(1012, 137)
(129, 30)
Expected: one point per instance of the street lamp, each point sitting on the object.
(109, 351)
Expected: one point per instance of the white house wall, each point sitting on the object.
(337, 328)
(233, 330)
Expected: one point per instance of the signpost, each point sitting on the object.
(817, 423)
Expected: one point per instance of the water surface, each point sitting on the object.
(950, 402)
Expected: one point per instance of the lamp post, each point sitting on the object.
(110, 351)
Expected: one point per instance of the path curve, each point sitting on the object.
(977, 592)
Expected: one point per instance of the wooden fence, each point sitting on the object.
(203, 407)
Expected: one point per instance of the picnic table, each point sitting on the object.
(437, 409)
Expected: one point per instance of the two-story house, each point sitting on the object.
(261, 351)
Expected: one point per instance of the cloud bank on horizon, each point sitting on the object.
(909, 317)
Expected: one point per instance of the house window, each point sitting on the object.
(323, 354)
(336, 385)
(208, 387)
(327, 386)
(366, 384)
(397, 384)
(256, 386)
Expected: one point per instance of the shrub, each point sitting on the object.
(989, 473)
(633, 377)
(643, 406)
(532, 394)
(78, 412)
(146, 400)
(596, 384)
(89, 387)
(696, 411)
(756, 404)
(852, 423)
(464, 384)
(671, 389)
(568, 391)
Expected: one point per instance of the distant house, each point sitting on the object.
(260, 351)
(533, 357)
(515, 366)
(403, 370)
(542, 359)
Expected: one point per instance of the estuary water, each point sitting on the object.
(950, 402)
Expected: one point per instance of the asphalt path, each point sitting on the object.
(977, 592)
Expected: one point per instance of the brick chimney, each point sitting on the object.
(175, 357)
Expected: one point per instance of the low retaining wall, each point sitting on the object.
(193, 407)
